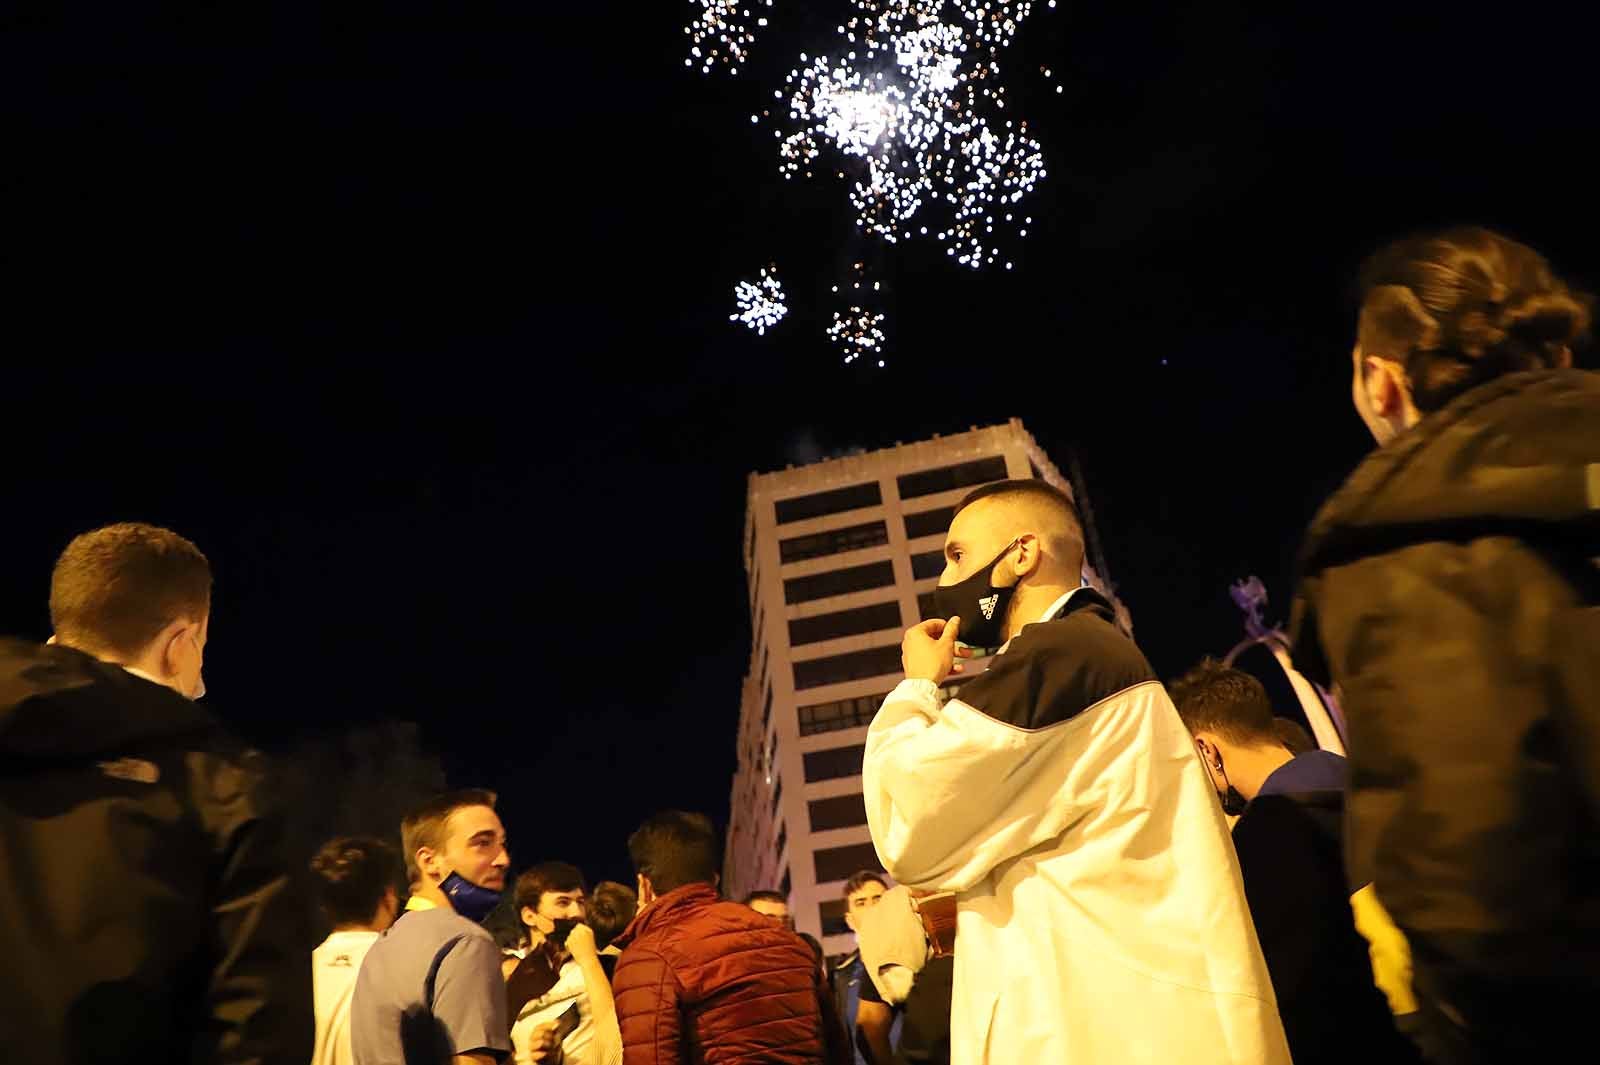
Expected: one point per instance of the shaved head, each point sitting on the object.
(998, 513)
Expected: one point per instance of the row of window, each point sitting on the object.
(838, 582)
(911, 485)
(839, 714)
(852, 665)
(845, 623)
(833, 763)
(833, 542)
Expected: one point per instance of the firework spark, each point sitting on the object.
(915, 100)
(762, 304)
(722, 32)
(859, 332)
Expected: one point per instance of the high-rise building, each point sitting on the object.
(839, 555)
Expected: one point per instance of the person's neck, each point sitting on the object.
(1249, 767)
(1030, 602)
(435, 895)
(358, 926)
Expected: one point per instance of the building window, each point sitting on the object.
(929, 522)
(833, 763)
(777, 793)
(945, 478)
(928, 564)
(839, 714)
(845, 623)
(833, 542)
(832, 914)
(841, 863)
(783, 837)
(925, 606)
(853, 665)
(838, 582)
(761, 626)
(815, 506)
(766, 712)
(784, 884)
(844, 811)
(1038, 474)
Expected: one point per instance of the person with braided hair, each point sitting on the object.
(1450, 590)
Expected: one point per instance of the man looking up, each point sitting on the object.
(146, 909)
(430, 991)
(1100, 912)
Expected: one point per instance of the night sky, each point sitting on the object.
(417, 323)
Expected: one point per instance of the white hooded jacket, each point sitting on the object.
(1101, 915)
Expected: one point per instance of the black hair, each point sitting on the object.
(675, 848)
(1465, 305)
(353, 874)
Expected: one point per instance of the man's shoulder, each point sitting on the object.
(1055, 670)
(422, 930)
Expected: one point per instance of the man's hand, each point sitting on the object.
(929, 651)
(542, 1043)
(580, 943)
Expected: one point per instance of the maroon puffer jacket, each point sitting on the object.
(702, 980)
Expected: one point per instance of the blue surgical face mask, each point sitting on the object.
(470, 900)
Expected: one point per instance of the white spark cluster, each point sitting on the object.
(762, 304)
(858, 331)
(722, 32)
(913, 104)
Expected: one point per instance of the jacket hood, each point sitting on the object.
(1519, 451)
(57, 702)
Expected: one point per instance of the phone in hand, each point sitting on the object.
(567, 1023)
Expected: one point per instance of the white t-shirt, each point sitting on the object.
(334, 966)
(578, 1048)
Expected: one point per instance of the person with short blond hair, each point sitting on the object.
(147, 903)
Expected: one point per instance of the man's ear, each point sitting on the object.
(1027, 556)
(647, 893)
(425, 862)
(52, 638)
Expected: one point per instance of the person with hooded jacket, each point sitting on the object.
(1450, 590)
(146, 912)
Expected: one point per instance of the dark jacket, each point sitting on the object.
(1450, 590)
(1290, 848)
(144, 916)
(705, 980)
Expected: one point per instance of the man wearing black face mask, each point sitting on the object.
(1100, 912)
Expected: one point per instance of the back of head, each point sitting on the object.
(1030, 505)
(353, 874)
(429, 825)
(1292, 736)
(611, 907)
(675, 848)
(547, 877)
(115, 589)
(1228, 702)
(766, 896)
(1463, 306)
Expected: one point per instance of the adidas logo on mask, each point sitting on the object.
(986, 604)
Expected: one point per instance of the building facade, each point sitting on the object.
(839, 555)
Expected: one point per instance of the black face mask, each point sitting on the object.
(979, 604)
(563, 929)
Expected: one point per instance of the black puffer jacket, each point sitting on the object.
(1451, 590)
(144, 913)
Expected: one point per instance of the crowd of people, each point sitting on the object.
(1080, 862)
